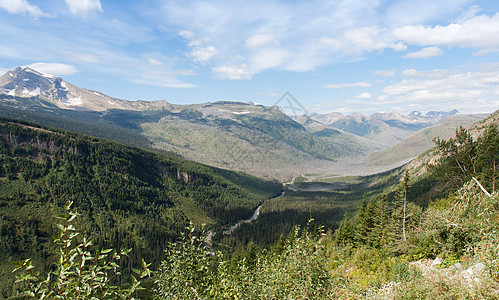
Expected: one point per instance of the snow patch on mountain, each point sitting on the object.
(241, 112)
(74, 101)
(28, 69)
(33, 93)
(64, 86)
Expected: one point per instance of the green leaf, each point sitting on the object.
(61, 227)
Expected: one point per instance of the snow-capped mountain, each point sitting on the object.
(28, 83)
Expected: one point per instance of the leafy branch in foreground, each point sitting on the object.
(296, 269)
(78, 274)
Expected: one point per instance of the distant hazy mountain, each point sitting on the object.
(385, 128)
(422, 140)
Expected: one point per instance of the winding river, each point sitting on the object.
(252, 218)
(210, 234)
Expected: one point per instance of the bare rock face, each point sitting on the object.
(436, 262)
(476, 269)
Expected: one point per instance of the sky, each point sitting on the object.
(342, 56)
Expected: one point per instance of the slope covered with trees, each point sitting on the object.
(393, 248)
(126, 196)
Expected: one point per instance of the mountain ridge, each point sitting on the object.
(387, 128)
(249, 137)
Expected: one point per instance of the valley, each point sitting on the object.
(249, 150)
(140, 172)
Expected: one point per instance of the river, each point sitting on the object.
(256, 213)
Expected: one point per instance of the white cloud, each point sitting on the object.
(232, 72)
(203, 54)
(332, 42)
(365, 95)
(433, 74)
(371, 39)
(470, 90)
(22, 7)
(259, 40)
(268, 59)
(186, 34)
(425, 53)
(347, 85)
(198, 42)
(398, 46)
(154, 62)
(385, 73)
(478, 32)
(84, 7)
(365, 38)
(54, 68)
(161, 78)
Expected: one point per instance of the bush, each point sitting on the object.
(296, 271)
(77, 274)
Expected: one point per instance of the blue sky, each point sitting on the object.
(333, 56)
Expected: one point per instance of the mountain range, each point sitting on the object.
(385, 128)
(248, 137)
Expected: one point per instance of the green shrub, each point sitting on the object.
(187, 271)
(296, 271)
(77, 274)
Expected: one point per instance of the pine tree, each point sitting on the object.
(344, 233)
(402, 198)
(361, 225)
(456, 164)
(377, 236)
(488, 157)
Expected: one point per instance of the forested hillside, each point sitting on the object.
(126, 196)
(393, 248)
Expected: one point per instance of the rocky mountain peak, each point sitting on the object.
(441, 114)
(26, 82)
